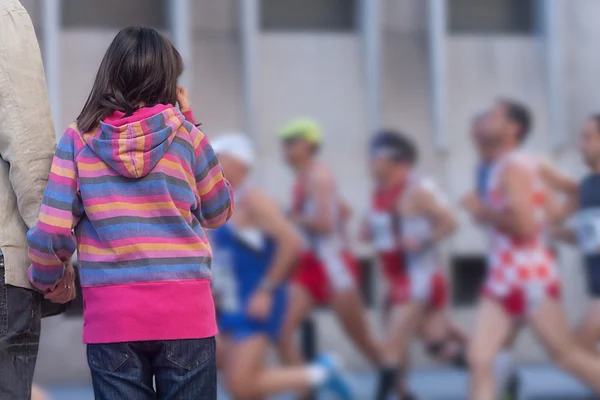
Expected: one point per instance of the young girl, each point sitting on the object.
(137, 182)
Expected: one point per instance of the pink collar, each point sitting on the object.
(116, 119)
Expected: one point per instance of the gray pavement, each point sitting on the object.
(536, 383)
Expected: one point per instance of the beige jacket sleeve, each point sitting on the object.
(27, 138)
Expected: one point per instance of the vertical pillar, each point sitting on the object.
(51, 25)
(437, 14)
(371, 35)
(181, 31)
(553, 39)
(249, 31)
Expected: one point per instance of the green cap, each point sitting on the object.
(302, 128)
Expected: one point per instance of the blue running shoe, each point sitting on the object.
(335, 383)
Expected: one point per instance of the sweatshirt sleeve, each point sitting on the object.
(189, 116)
(214, 191)
(51, 241)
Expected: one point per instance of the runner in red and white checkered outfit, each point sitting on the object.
(522, 282)
(522, 270)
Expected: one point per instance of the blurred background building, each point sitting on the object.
(424, 66)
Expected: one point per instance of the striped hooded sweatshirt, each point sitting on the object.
(133, 197)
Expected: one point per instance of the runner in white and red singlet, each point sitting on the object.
(327, 272)
(522, 282)
(409, 217)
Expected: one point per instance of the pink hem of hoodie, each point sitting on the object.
(167, 310)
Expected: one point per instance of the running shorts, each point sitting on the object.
(430, 287)
(321, 280)
(521, 298)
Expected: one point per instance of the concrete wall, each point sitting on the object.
(581, 61)
(216, 94)
(317, 75)
(321, 75)
(215, 67)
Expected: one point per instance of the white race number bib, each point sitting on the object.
(382, 229)
(587, 226)
(223, 281)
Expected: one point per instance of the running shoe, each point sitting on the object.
(335, 383)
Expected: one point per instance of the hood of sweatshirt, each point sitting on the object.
(132, 146)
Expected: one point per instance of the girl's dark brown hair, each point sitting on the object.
(140, 68)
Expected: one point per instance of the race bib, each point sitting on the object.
(382, 230)
(251, 237)
(224, 283)
(588, 230)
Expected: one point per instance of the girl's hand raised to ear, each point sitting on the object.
(183, 99)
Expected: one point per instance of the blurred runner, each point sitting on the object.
(408, 219)
(486, 150)
(584, 229)
(254, 254)
(327, 270)
(522, 282)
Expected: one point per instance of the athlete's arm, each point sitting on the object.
(518, 216)
(322, 192)
(556, 180)
(437, 211)
(272, 221)
(564, 234)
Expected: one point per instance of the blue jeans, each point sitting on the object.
(20, 313)
(183, 369)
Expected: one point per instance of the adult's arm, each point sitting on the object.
(27, 138)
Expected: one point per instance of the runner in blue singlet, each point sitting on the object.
(253, 255)
(485, 147)
(242, 260)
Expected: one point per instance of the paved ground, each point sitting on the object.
(537, 383)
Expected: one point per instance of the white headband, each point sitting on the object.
(236, 145)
